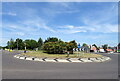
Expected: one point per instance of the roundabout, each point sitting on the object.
(14, 67)
(67, 60)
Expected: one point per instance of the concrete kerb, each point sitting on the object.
(85, 60)
(22, 57)
(30, 58)
(17, 56)
(63, 60)
(95, 60)
(75, 60)
(82, 60)
(38, 59)
(50, 60)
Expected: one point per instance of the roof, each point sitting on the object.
(93, 48)
(109, 50)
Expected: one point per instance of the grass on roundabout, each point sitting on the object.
(41, 54)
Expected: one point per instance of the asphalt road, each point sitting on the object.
(13, 68)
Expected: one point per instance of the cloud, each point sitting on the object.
(38, 24)
(107, 28)
(44, 21)
(70, 29)
(67, 26)
(9, 13)
(101, 21)
(20, 33)
(56, 9)
(3, 41)
(26, 27)
(99, 28)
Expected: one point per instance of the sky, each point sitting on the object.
(85, 22)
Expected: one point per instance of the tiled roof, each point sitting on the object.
(109, 50)
(93, 48)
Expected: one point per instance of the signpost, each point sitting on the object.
(78, 49)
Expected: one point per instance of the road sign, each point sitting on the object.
(79, 45)
(76, 49)
(73, 49)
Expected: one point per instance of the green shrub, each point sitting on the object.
(55, 47)
(59, 47)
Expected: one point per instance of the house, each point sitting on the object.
(109, 51)
(101, 50)
(93, 49)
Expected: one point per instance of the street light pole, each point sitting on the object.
(25, 48)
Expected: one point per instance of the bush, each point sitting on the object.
(59, 47)
(55, 47)
(70, 45)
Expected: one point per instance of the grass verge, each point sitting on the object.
(40, 54)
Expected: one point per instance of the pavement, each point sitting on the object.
(13, 68)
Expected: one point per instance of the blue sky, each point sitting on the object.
(85, 22)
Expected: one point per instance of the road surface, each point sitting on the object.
(13, 68)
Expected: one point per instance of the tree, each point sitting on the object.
(31, 44)
(70, 45)
(8, 45)
(11, 42)
(84, 44)
(1, 47)
(74, 43)
(57, 47)
(95, 46)
(40, 43)
(19, 44)
(105, 46)
(51, 39)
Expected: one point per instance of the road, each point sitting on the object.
(13, 68)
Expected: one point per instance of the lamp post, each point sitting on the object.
(25, 48)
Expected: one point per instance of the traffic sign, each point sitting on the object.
(79, 45)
